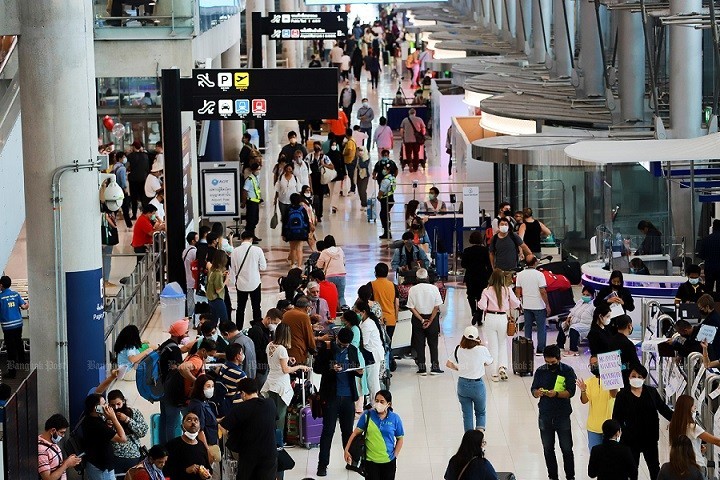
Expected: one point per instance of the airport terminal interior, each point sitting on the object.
(564, 151)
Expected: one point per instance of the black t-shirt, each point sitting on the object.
(139, 163)
(97, 438)
(182, 455)
(251, 427)
(169, 357)
(689, 293)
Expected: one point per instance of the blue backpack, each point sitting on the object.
(296, 225)
(148, 379)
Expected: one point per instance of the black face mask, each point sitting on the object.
(595, 370)
(553, 367)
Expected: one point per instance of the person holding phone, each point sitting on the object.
(99, 436)
(51, 464)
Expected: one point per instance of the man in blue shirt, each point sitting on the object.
(554, 385)
(338, 391)
(11, 321)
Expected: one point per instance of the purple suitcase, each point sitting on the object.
(310, 428)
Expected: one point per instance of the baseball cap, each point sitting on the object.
(471, 333)
(179, 328)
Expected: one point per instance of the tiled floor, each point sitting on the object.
(427, 405)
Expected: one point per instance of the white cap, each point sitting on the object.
(156, 168)
(471, 333)
(421, 274)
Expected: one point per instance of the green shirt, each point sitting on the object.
(215, 281)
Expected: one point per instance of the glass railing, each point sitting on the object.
(214, 12)
(132, 19)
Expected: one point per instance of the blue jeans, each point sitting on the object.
(170, 421)
(539, 316)
(107, 261)
(594, 439)
(339, 281)
(471, 394)
(560, 425)
(94, 473)
(219, 310)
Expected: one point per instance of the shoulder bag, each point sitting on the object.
(241, 265)
(274, 219)
(462, 472)
(419, 136)
(511, 328)
(357, 448)
(327, 175)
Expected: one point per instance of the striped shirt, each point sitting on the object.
(10, 303)
(230, 375)
(49, 457)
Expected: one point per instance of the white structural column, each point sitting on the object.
(523, 25)
(232, 129)
(564, 45)
(290, 47)
(485, 13)
(496, 15)
(631, 66)
(685, 73)
(591, 62)
(252, 6)
(56, 57)
(508, 20)
(541, 28)
(271, 47)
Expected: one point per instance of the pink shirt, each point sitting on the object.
(488, 300)
(332, 261)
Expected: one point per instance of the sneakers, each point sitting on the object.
(422, 370)
(322, 472)
(570, 353)
(495, 378)
(503, 373)
(435, 370)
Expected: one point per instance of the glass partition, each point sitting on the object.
(214, 12)
(176, 16)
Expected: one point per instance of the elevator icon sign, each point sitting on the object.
(242, 80)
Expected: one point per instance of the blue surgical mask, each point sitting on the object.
(694, 281)
(633, 270)
(153, 217)
(586, 298)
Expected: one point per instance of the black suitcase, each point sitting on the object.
(523, 355)
(506, 476)
(570, 269)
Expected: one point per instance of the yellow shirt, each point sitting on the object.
(601, 405)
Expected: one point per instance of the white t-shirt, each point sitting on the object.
(336, 54)
(160, 214)
(285, 188)
(371, 339)
(693, 433)
(423, 297)
(345, 63)
(189, 255)
(277, 381)
(302, 174)
(152, 185)
(531, 281)
(328, 44)
(471, 361)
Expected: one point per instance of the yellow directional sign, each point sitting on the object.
(242, 80)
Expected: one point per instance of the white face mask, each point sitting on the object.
(605, 320)
(636, 382)
(381, 407)
(504, 228)
(191, 436)
(365, 104)
(617, 439)
(209, 392)
(272, 327)
(214, 337)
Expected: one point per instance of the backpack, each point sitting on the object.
(148, 379)
(297, 226)
(512, 235)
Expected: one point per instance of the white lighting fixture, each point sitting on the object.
(441, 54)
(506, 125)
(474, 98)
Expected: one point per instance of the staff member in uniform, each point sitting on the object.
(11, 321)
(251, 200)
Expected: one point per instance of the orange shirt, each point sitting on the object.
(385, 293)
(198, 367)
(339, 125)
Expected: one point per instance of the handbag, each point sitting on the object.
(327, 175)
(357, 448)
(274, 219)
(284, 461)
(419, 136)
(511, 328)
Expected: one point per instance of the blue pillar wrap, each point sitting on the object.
(86, 336)
(214, 148)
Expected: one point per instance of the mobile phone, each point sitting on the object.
(80, 455)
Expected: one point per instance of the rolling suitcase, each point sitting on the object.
(155, 429)
(523, 353)
(310, 428)
(370, 204)
(506, 476)
(442, 266)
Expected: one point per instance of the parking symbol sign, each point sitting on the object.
(242, 107)
(224, 80)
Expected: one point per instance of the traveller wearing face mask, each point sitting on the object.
(637, 409)
(577, 325)
(599, 336)
(601, 403)
(306, 201)
(385, 163)
(300, 168)
(615, 293)
(188, 457)
(51, 465)
(209, 331)
(621, 341)
(151, 467)
(366, 115)
(261, 333)
(469, 461)
(638, 267)
(142, 237)
(317, 159)
(504, 211)
(684, 422)
(433, 204)
(201, 404)
(98, 437)
(127, 454)
(386, 196)
(693, 289)
(120, 171)
(506, 247)
(336, 157)
(554, 384)
(384, 436)
(611, 460)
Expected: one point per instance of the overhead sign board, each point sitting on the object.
(271, 94)
(305, 25)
